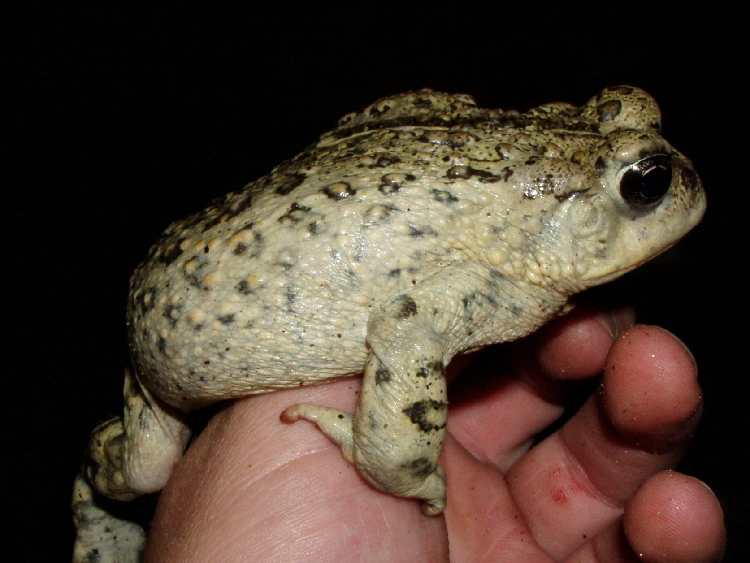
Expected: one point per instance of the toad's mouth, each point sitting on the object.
(630, 267)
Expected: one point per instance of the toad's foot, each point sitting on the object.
(102, 536)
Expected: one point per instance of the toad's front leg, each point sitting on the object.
(396, 435)
(400, 424)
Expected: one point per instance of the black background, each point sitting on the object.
(126, 117)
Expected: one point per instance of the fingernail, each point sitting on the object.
(608, 321)
(617, 320)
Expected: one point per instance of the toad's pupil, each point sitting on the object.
(647, 182)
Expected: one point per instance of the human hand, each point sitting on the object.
(598, 489)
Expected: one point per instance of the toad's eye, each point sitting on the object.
(647, 181)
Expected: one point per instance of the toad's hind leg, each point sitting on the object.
(126, 457)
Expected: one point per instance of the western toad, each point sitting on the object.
(422, 227)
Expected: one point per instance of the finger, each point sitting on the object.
(496, 412)
(672, 518)
(578, 480)
(483, 520)
(575, 347)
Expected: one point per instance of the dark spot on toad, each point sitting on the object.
(507, 172)
(376, 111)
(147, 300)
(172, 312)
(465, 172)
(290, 296)
(382, 374)
(455, 139)
(420, 467)
(339, 190)
(290, 184)
(312, 228)
(388, 189)
(515, 309)
(213, 222)
(579, 158)
(408, 307)
(385, 161)
(419, 413)
(194, 271)
(430, 367)
(391, 183)
(420, 231)
(379, 214)
(243, 287)
(226, 319)
(294, 213)
(444, 196)
(609, 110)
(479, 298)
(556, 122)
(171, 252)
(241, 247)
(230, 206)
(241, 204)
(459, 172)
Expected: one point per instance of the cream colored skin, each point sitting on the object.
(420, 228)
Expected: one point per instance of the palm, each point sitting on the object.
(253, 488)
